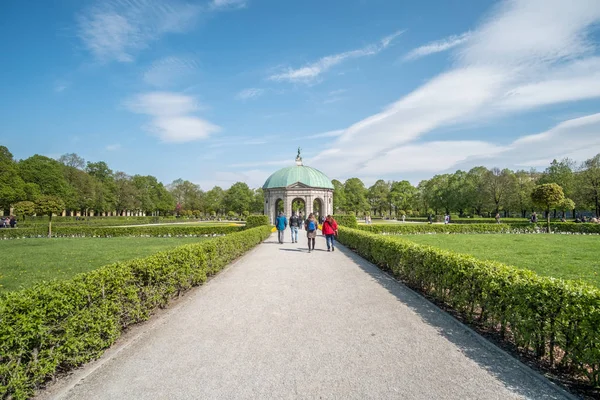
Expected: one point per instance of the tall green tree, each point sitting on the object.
(12, 187)
(258, 201)
(46, 173)
(402, 196)
(72, 160)
(561, 173)
(356, 195)
(187, 194)
(339, 196)
(589, 183)
(238, 198)
(378, 196)
(213, 200)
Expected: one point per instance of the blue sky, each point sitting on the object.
(218, 91)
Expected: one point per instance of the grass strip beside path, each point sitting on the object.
(29, 261)
(559, 256)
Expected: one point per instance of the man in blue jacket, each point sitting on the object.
(281, 223)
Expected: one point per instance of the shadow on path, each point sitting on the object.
(504, 367)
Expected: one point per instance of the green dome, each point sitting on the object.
(298, 174)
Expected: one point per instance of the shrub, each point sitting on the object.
(556, 320)
(56, 326)
(143, 230)
(409, 229)
(346, 220)
(256, 220)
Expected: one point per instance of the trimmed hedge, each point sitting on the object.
(256, 220)
(140, 230)
(409, 229)
(53, 327)
(557, 321)
(346, 220)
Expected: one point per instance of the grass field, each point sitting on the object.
(28, 261)
(560, 256)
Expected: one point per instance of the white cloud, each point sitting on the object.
(169, 71)
(225, 4)
(276, 163)
(250, 93)
(118, 29)
(527, 54)
(437, 46)
(313, 70)
(113, 147)
(171, 119)
(328, 134)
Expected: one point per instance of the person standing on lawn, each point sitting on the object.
(294, 224)
(330, 230)
(311, 226)
(281, 223)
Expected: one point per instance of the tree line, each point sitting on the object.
(41, 185)
(44, 185)
(477, 192)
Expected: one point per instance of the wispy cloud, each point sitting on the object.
(173, 118)
(329, 134)
(250, 93)
(113, 147)
(228, 4)
(527, 54)
(437, 46)
(312, 71)
(60, 86)
(169, 71)
(116, 30)
(275, 163)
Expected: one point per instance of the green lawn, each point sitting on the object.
(560, 256)
(27, 261)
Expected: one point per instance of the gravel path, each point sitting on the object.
(281, 323)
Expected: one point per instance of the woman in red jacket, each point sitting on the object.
(330, 229)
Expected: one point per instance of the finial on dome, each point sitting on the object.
(299, 157)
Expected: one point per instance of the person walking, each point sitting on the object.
(330, 230)
(294, 224)
(497, 218)
(311, 231)
(281, 223)
(13, 221)
(446, 219)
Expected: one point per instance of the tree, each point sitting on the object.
(72, 160)
(24, 208)
(213, 200)
(46, 173)
(547, 195)
(238, 198)
(49, 205)
(11, 184)
(258, 200)
(562, 174)
(497, 185)
(476, 190)
(524, 185)
(356, 195)
(99, 170)
(339, 196)
(187, 194)
(566, 205)
(378, 196)
(402, 195)
(589, 183)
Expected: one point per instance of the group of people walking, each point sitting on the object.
(329, 228)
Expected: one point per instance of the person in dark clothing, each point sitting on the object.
(294, 224)
(13, 221)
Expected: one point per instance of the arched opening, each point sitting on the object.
(299, 206)
(279, 207)
(318, 208)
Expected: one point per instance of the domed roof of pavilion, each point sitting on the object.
(298, 173)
